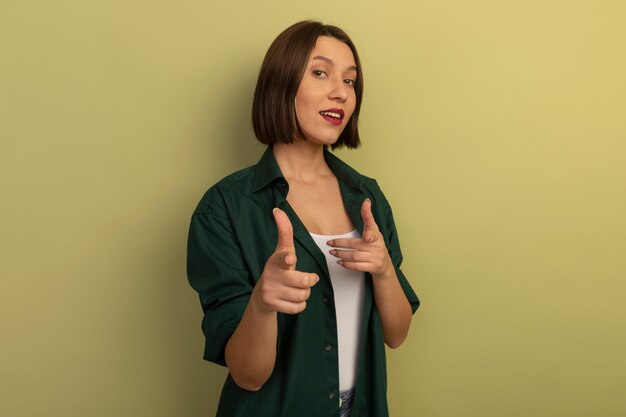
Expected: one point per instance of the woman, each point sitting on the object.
(296, 259)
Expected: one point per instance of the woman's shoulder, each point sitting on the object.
(348, 173)
(234, 185)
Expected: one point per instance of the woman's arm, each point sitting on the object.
(370, 254)
(393, 307)
(251, 350)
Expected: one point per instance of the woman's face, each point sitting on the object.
(325, 99)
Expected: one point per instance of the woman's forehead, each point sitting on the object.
(333, 52)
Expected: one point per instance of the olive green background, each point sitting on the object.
(496, 128)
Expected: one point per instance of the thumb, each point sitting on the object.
(284, 247)
(370, 228)
(285, 231)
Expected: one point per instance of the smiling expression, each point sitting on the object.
(326, 98)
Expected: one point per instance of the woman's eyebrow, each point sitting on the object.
(330, 62)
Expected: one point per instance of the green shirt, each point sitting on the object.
(232, 234)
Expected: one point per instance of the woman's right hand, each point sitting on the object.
(281, 288)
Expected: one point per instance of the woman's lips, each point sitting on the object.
(332, 120)
(334, 116)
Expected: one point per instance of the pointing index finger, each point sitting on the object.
(346, 243)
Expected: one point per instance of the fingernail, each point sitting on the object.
(368, 200)
(333, 252)
(274, 210)
(329, 243)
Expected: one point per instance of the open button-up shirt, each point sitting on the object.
(232, 234)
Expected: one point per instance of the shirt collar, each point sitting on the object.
(267, 170)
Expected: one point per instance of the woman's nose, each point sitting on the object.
(339, 91)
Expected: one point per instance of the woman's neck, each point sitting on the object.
(301, 161)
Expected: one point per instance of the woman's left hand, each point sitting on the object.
(368, 254)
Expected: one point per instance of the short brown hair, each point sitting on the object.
(273, 109)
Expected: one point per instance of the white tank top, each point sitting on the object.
(349, 290)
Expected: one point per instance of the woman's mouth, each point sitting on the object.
(334, 116)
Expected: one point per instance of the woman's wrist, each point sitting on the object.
(388, 273)
(257, 307)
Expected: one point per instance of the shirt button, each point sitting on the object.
(331, 395)
(327, 346)
(325, 299)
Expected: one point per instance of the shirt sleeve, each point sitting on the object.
(216, 270)
(393, 246)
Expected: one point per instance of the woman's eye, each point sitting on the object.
(350, 82)
(318, 73)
